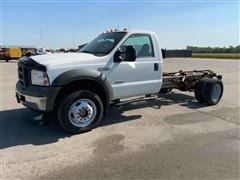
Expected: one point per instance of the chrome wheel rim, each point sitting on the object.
(216, 92)
(82, 112)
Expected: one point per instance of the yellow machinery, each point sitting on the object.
(7, 53)
(13, 53)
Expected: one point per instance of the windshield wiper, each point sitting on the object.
(85, 51)
(94, 53)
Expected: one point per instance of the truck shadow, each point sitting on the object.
(18, 128)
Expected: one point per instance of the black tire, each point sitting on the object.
(199, 87)
(165, 90)
(210, 97)
(64, 109)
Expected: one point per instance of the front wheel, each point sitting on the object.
(80, 111)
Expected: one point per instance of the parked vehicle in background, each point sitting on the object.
(31, 50)
(8, 53)
(3, 53)
(79, 87)
(41, 51)
(13, 53)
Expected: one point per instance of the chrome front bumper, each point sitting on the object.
(34, 103)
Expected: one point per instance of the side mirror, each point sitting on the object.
(128, 55)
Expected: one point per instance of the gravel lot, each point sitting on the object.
(167, 137)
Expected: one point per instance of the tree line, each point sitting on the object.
(229, 49)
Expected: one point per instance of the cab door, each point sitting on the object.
(140, 77)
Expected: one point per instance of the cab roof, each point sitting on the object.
(129, 31)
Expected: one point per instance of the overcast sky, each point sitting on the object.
(65, 23)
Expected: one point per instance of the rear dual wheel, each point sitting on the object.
(209, 91)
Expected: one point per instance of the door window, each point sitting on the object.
(142, 44)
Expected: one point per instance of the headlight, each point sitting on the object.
(39, 78)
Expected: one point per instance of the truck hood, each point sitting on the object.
(66, 59)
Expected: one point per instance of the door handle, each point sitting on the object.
(156, 66)
(119, 82)
(106, 68)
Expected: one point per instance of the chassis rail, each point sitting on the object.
(186, 80)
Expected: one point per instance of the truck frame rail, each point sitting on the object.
(186, 80)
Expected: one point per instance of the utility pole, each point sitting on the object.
(1, 23)
(74, 36)
(40, 41)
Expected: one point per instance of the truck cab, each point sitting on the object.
(80, 86)
(131, 61)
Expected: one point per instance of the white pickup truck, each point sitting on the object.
(79, 87)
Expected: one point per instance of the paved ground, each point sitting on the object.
(171, 137)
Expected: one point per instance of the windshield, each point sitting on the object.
(103, 44)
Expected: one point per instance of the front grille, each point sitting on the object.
(23, 75)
